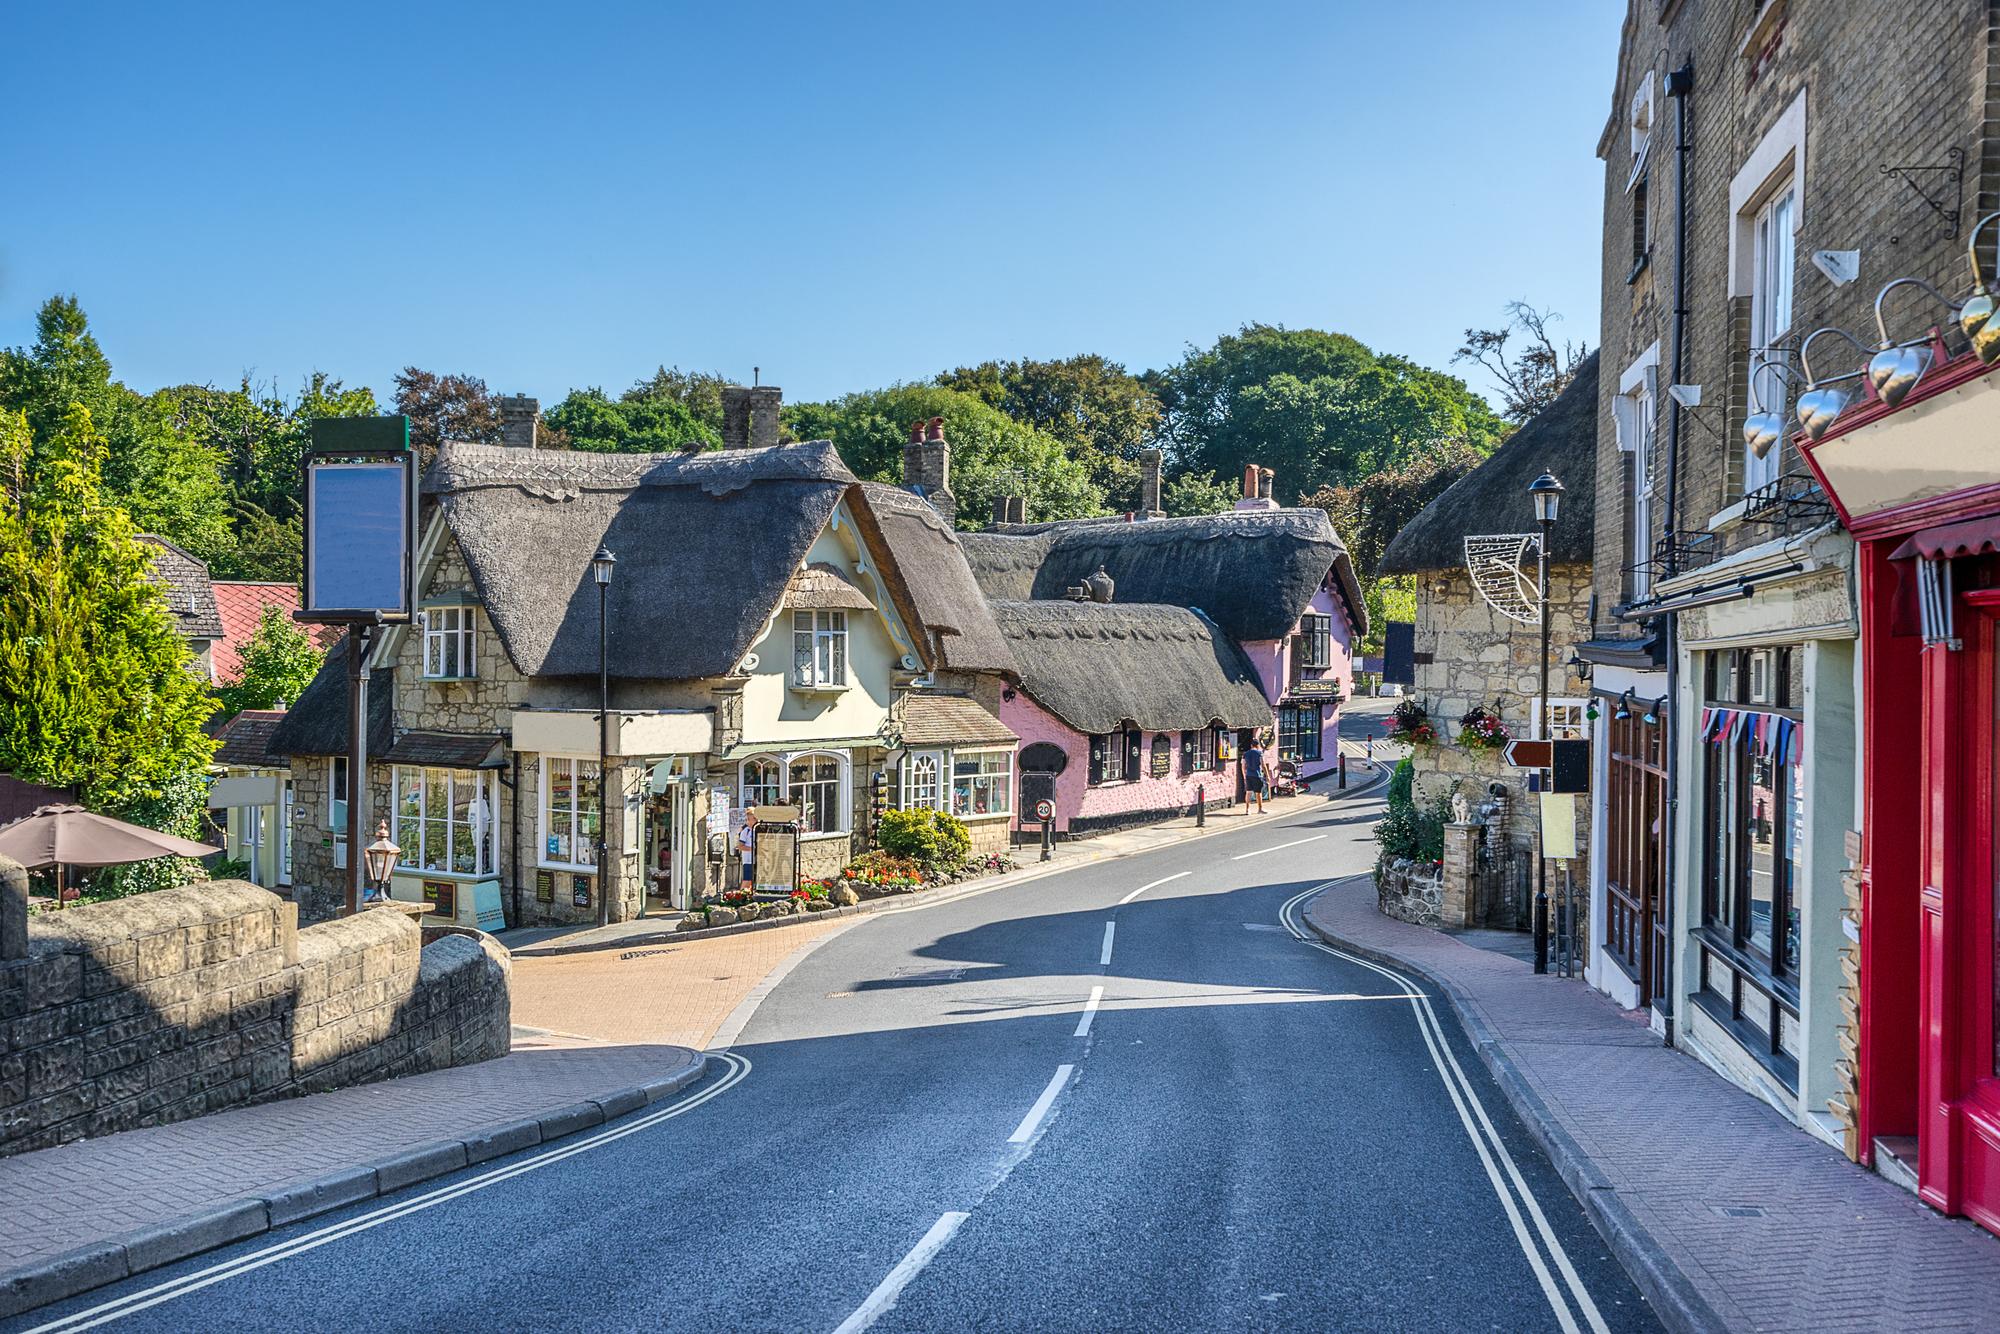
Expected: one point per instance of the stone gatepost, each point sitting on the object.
(13, 909)
(1460, 904)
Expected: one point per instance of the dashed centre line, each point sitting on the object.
(1279, 848)
(1089, 1013)
(883, 1299)
(1033, 1120)
(1110, 929)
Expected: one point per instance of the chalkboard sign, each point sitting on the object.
(1162, 762)
(442, 895)
(545, 886)
(579, 891)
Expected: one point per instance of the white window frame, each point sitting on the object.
(1566, 713)
(843, 791)
(1774, 275)
(929, 795)
(1776, 165)
(285, 833)
(414, 857)
(1204, 750)
(1113, 768)
(1639, 121)
(576, 811)
(1005, 787)
(250, 837)
(743, 784)
(336, 805)
(458, 633)
(823, 664)
(1636, 414)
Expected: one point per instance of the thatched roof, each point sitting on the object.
(820, 587)
(1095, 665)
(1251, 571)
(1493, 498)
(929, 569)
(706, 544)
(183, 578)
(317, 723)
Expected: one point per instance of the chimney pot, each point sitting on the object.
(1249, 481)
(1265, 479)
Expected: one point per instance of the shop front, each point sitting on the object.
(1919, 486)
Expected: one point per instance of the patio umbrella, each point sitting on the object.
(73, 836)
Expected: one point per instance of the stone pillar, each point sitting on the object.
(520, 416)
(1149, 485)
(13, 909)
(1460, 905)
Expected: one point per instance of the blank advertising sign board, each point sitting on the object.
(360, 486)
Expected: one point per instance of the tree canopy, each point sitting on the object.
(1101, 412)
(279, 662)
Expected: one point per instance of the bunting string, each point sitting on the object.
(1768, 734)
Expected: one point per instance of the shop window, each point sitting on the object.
(763, 782)
(819, 650)
(923, 780)
(448, 644)
(1114, 757)
(813, 785)
(982, 783)
(1299, 729)
(444, 820)
(1566, 719)
(572, 820)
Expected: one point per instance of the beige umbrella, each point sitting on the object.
(73, 836)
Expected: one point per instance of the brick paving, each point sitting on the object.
(97, 1190)
(1833, 1246)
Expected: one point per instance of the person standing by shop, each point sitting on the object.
(1253, 772)
(746, 849)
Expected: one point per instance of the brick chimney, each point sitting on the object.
(927, 467)
(1149, 485)
(750, 415)
(520, 416)
(1257, 486)
(735, 416)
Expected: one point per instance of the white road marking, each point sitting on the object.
(1155, 885)
(1472, 1115)
(1280, 848)
(1104, 959)
(883, 1300)
(1029, 1123)
(1089, 1013)
(120, 1307)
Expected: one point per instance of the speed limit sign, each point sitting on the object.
(1045, 810)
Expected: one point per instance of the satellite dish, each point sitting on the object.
(1494, 562)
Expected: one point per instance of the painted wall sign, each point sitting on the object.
(1328, 689)
(442, 895)
(545, 886)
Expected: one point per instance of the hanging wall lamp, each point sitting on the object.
(1656, 710)
(1820, 405)
(1975, 317)
(1761, 429)
(1624, 709)
(1896, 367)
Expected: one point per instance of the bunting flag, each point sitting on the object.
(1768, 734)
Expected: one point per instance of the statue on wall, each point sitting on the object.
(1461, 809)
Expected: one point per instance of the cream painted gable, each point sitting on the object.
(880, 651)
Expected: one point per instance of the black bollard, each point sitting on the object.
(1343, 769)
(1201, 807)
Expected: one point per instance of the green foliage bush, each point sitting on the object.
(1412, 831)
(935, 840)
(1401, 784)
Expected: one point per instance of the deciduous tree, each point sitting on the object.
(1536, 371)
(1105, 414)
(279, 662)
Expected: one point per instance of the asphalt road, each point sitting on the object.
(926, 1126)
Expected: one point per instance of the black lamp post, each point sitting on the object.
(601, 566)
(1547, 494)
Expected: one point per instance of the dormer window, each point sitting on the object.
(819, 650)
(448, 644)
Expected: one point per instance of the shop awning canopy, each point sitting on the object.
(1970, 537)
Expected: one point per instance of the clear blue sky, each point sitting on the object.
(553, 195)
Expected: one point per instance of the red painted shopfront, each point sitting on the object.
(1919, 487)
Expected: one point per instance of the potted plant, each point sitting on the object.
(1481, 730)
(1411, 723)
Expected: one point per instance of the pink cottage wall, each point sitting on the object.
(1134, 797)
(1273, 661)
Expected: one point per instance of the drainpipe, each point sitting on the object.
(513, 787)
(1680, 87)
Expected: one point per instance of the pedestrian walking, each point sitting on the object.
(746, 848)
(1253, 772)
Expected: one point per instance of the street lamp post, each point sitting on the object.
(601, 566)
(380, 860)
(1547, 494)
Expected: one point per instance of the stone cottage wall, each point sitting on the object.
(169, 1005)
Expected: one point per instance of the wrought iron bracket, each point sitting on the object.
(1934, 184)
(1790, 498)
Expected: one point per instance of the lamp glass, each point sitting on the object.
(1547, 493)
(380, 856)
(601, 565)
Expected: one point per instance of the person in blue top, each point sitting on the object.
(1253, 772)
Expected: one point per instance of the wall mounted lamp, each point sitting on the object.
(1975, 317)
(1896, 367)
(1819, 405)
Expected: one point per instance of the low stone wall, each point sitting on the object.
(169, 1005)
(1410, 891)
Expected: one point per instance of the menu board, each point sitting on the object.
(545, 886)
(442, 895)
(579, 891)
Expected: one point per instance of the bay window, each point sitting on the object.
(814, 787)
(572, 820)
(819, 650)
(448, 643)
(444, 820)
(982, 783)
(923, 780)
(763, 782)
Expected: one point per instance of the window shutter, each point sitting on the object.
(1097, 760)
(1132, 754)
(1187, 752)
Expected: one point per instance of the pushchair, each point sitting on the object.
(1287, 782)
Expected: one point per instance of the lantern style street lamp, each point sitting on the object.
(601, 566)
(1547, 493)
(380, 858)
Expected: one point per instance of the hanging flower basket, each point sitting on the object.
(1481, 730)
(1411, 723)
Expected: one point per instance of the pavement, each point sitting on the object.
(1727, 1215)
(1125, 1096)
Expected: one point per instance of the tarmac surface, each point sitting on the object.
(1125, 1096)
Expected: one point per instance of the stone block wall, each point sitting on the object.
(165, 1006)
(1410, 892)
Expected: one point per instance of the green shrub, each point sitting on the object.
(1401, 783)
(935, 840)
(1414, 832)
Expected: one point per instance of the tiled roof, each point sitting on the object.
(950, 720)
(241, 606)
(246, 739)
(190, 594)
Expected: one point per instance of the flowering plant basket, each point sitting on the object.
(1481, 729)
(1411, 723)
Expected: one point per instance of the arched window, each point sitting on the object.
(814, 788)
(922, 780)
(763, 782)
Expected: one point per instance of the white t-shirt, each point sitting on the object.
(746, 841)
